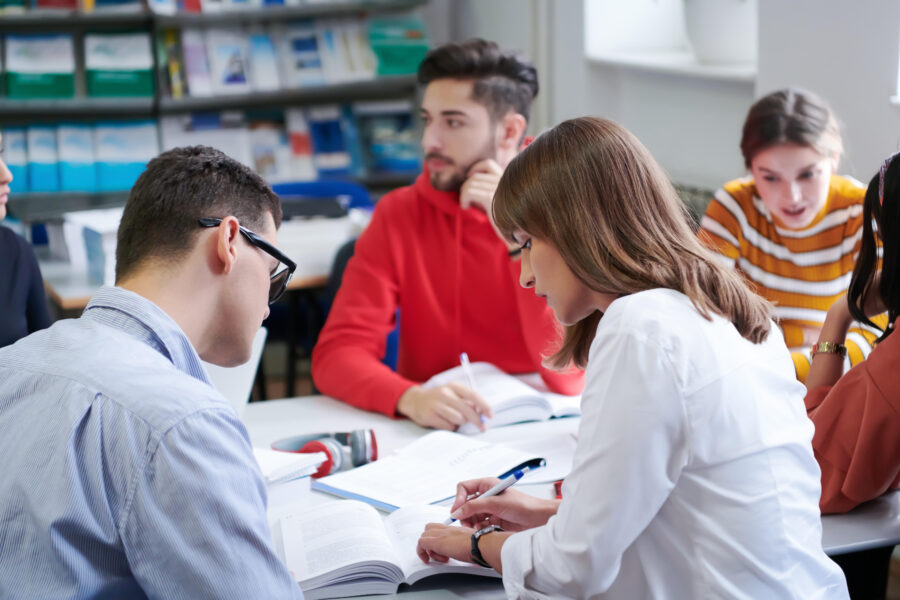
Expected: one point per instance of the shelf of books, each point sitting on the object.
(239, 12)
(36, 207)
(297, 90)
(72, 20)
(46, 109)
(396, 86)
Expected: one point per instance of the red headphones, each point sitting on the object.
(361, 443)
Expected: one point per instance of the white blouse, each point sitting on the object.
(693, 477)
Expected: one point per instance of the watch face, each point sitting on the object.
(487, 529)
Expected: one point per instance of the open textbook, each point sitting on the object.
(426, 471)
(512, 400)
(347, 548)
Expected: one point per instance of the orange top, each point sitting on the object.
(857, 438)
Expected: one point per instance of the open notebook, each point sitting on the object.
(235, 383)
(346, 548)
(512, 400)
(425, 471)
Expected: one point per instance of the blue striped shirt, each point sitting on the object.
(125, 474)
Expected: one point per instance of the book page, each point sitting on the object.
(494, 385)
(511, 400)
(277, 466)
(564, 406)
(423, 472)
(324, 543)
(405, 526)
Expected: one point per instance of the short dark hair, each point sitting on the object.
(179, 187)
(794, 116)
(502, 79)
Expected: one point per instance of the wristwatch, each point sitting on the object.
(477, 558)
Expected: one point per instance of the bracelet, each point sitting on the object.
(827, 348)
(515, 252)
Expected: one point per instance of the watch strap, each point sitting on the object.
(477, 558)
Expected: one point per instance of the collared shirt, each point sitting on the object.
(694, 476)
(125, 474)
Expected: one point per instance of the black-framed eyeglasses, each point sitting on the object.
(279, 280)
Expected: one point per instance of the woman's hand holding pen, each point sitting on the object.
(512, 510)
(444, 407)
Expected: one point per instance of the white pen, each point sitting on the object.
(467, 372)
(500, 487)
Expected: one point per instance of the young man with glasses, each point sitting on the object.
(126, 474)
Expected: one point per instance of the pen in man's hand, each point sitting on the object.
(467, 371)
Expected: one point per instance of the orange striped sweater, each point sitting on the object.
(803, 272)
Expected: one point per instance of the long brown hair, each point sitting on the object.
(590, 188)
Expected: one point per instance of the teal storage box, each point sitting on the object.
(123, 151)
(43, 164)
(15, 153)
(399, 45)
(119, 65)
(40, 66)
(77, 172)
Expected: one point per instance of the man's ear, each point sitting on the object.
(510, 131)
(227, 234)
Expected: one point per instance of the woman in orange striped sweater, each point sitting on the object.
(793, 226)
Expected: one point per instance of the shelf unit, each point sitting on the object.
(42, 206)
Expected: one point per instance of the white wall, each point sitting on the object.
(847, 52)
(518, 25)
(844, 50)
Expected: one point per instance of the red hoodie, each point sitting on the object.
(457, 290)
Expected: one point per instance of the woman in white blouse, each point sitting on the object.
(693, 476)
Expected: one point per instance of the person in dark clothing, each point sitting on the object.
(23, 306)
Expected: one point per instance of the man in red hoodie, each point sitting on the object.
(431, 250)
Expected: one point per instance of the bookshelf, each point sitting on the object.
(272, 14)
(36, 207)
(382, 88)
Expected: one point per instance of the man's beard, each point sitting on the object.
(455, 181)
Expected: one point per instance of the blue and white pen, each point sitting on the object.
(500, 487)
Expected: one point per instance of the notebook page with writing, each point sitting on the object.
(423, 472)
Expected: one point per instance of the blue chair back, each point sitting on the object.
(327, 188)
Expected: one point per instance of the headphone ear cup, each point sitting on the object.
(363, 448)
(334, 460)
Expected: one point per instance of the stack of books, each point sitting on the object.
(43, 65)
(102, 156)
(238, 60)
(324, 141)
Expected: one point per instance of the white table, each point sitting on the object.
(276, 419)
(70, 289)
(872, 525)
